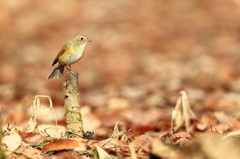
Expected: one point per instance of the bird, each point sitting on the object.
(69, 54)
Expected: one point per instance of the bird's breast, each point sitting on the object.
(69, 58)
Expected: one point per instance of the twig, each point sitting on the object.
(8, 130)
(235, 133)
(230, 123)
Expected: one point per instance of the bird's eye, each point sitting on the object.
(82, 38)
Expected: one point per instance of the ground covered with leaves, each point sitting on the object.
(158, 80)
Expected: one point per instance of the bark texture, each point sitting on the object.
(71, 103)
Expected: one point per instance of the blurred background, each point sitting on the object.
(141, 55)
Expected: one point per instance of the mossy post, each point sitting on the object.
(71, 104)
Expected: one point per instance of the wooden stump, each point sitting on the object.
(71, 103)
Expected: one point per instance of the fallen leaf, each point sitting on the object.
(204, 122)
(61, 144)
(180, 138)
(64, 155)
(113, 144)
(31, 138)
(143, 141)
(29, 151)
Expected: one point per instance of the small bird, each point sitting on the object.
(70, 53)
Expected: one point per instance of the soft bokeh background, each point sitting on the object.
(141, 55)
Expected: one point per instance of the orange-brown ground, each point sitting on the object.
(142, 55)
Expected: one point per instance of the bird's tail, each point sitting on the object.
(57, 73)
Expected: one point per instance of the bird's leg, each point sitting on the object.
(69, 68)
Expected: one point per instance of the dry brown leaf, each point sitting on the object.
(204, 122)
(31, 138)
(144, 142)
(60, 144)
(183, 135)
(178, 139)
(28, 151)
(64, 155)
(113, 144)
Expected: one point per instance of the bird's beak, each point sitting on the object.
(89, 40)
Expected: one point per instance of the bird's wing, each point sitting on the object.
(62, 51)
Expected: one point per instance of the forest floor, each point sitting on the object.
(159, 79)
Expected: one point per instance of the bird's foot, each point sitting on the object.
(69, 69)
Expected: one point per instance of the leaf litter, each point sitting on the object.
(129, 82)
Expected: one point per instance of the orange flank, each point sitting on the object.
(68, 51)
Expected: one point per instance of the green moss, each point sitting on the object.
(73, 112)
